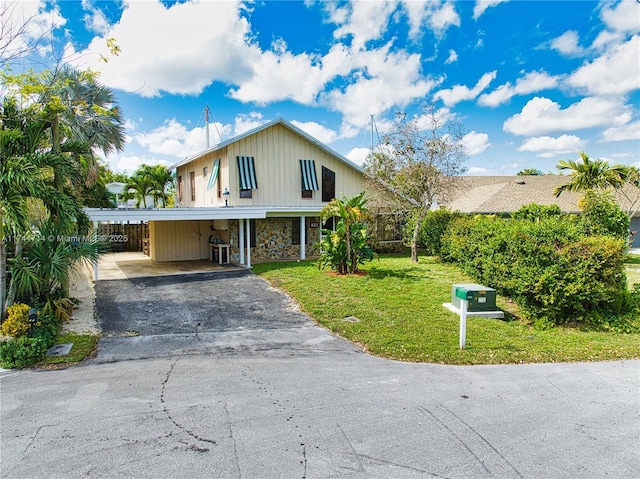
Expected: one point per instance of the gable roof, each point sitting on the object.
(277, 121)
(505, 194)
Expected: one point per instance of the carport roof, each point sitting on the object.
(181, 214)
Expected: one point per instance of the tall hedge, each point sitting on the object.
(549, 267)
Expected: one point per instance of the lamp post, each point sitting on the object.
(226, 194)
(33, 319)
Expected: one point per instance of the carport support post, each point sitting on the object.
(303, 237)
(95, 263)
(463, 322)
(248, 243)
(241, 239)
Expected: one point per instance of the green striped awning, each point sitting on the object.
(213, 177)
(247, 173)
(309, 177)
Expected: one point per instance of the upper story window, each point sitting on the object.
(328, 184)
(205, 172)
(246, 176)
(192, 184)
(179, 188)
(214, 179)
(309, 178)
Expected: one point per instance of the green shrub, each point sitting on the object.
(22, 352)
(554, 273)
(536, 212)
(431, 230)
(17, 322)
(601, 215)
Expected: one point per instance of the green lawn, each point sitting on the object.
(84, 345)
(400, 312)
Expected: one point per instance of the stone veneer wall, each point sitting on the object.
(273, 240)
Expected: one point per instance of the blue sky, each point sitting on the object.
(532, 82)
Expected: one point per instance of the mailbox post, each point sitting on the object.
(464, 296)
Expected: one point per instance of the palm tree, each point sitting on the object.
(138, 186)
(80, 115)
(591, 175)
(26, 175)
(158, 176)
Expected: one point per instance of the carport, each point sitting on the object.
(182, 233)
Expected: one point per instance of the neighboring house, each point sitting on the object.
(261, 193)
(503, 195)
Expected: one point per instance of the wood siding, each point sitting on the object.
(277, 151)
(179, 240)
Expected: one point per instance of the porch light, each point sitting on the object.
(226, 194)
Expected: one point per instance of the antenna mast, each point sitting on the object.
(206, 122)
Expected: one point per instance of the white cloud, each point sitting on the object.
(358, 155)
(482, 5)
(617, 72)
(548, 147)
(364, 21)
(173, 139)
(129, 164)
(476, 143)
(567, 44)
(154, 59)
(95, 20)
(322, 133)
(622, 17)
(453, 57)
(39, 19)
(458, 93)
(244, 123)
(440, 20)
(623, 133)
(542, 115)
(530, 83)
(392, 79)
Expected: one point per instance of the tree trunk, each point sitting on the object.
(416, 231)
(12, 290)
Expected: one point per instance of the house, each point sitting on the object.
(257, 196)
(502, 195)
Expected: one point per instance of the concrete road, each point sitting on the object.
(282, 398)
(320, 414)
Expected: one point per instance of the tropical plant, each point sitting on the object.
(80, 115)
(138, 186)
(159, 178)
(346, 247)
(26, 178)
(589, 174)
(41, 270)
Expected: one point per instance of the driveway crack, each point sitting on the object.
(165, 409)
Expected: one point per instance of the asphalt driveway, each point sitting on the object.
(199, 313)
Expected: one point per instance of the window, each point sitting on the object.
(328, 184)
(179, 188)
(192, 184)
(246, 193)
(219, 187)
(295, 231)
(204, 172)
(309, 178)
(389, 227)
(252, 234)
